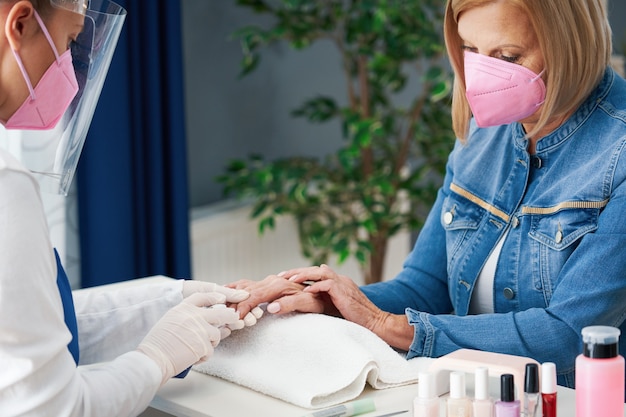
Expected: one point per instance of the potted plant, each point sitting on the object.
(386, 174)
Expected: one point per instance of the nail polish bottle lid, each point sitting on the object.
(600, 341)
(457, 384)
(548, 378)
(507, 391)
(481, 383)
(531, 379)
(425, 386)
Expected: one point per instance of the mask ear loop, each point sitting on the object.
(20, 64)
(534, 79)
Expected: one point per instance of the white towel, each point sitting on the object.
(310, 360)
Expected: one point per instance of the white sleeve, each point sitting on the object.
(38, 376)
(114, 322)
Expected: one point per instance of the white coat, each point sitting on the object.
(38, 376)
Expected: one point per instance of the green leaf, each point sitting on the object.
(266, 223)
(441, 90)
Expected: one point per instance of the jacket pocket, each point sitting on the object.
(556, 236)
(560, 230)
(459, 218)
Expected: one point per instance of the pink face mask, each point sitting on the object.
(51, 97)
(501, 92)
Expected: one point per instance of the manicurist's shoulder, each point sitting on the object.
(9, 163)
(13, 173)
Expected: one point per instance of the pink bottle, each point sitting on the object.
(600, 374)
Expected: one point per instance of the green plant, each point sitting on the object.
(386, 174)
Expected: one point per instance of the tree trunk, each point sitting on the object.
(374, 270)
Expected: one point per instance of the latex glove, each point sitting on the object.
(187, 333)
(233, 296)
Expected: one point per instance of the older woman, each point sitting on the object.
(524, 245)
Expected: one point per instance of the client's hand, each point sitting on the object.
(343, 294)
(283, 295)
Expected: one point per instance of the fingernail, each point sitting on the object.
(273, 308)
(281, 274)
(293, 278)
(258, 312)
(249, 320)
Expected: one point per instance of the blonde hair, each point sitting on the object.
(574, 39)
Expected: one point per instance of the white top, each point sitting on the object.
(38, 376)
(482, 296)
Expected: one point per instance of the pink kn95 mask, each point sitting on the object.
(53, 94)
(501, 92)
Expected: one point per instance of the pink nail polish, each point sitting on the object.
(273, 308)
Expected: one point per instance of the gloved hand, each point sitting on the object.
(187, 333)
(233, 296)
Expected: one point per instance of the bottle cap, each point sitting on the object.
(548, 378)
(600, 341)
(457, 384)
(507, 390)
(425, 385)
(362, 406)
(481, 383)
(531, 378)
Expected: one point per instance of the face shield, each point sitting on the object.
(52, 155)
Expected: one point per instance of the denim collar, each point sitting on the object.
(567, 129)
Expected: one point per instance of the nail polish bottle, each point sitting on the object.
(531, 390)
(548, 389)
(426, 404)
(482, 405)
(600, 374)
(458, 404)
(508, 406)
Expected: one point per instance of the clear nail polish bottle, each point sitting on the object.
(531, 390)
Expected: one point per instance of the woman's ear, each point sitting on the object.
(20, 23)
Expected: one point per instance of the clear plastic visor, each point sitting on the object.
(52, 155)
(76, 6)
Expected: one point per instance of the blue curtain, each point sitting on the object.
(132, 176)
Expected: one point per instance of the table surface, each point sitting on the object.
(201, 395)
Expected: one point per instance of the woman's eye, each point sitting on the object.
(512, 59)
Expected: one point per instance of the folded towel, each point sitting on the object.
(310, 360)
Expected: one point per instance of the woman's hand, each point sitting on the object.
(283, 296)
(319, 289)
(350, 302)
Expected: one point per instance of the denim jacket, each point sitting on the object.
(563, 263)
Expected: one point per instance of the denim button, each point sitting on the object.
(535, 161)
(509, 294)
(559, 237)
(447, 217)
(514, 222)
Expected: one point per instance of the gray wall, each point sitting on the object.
(617, 16)
(230, 118)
